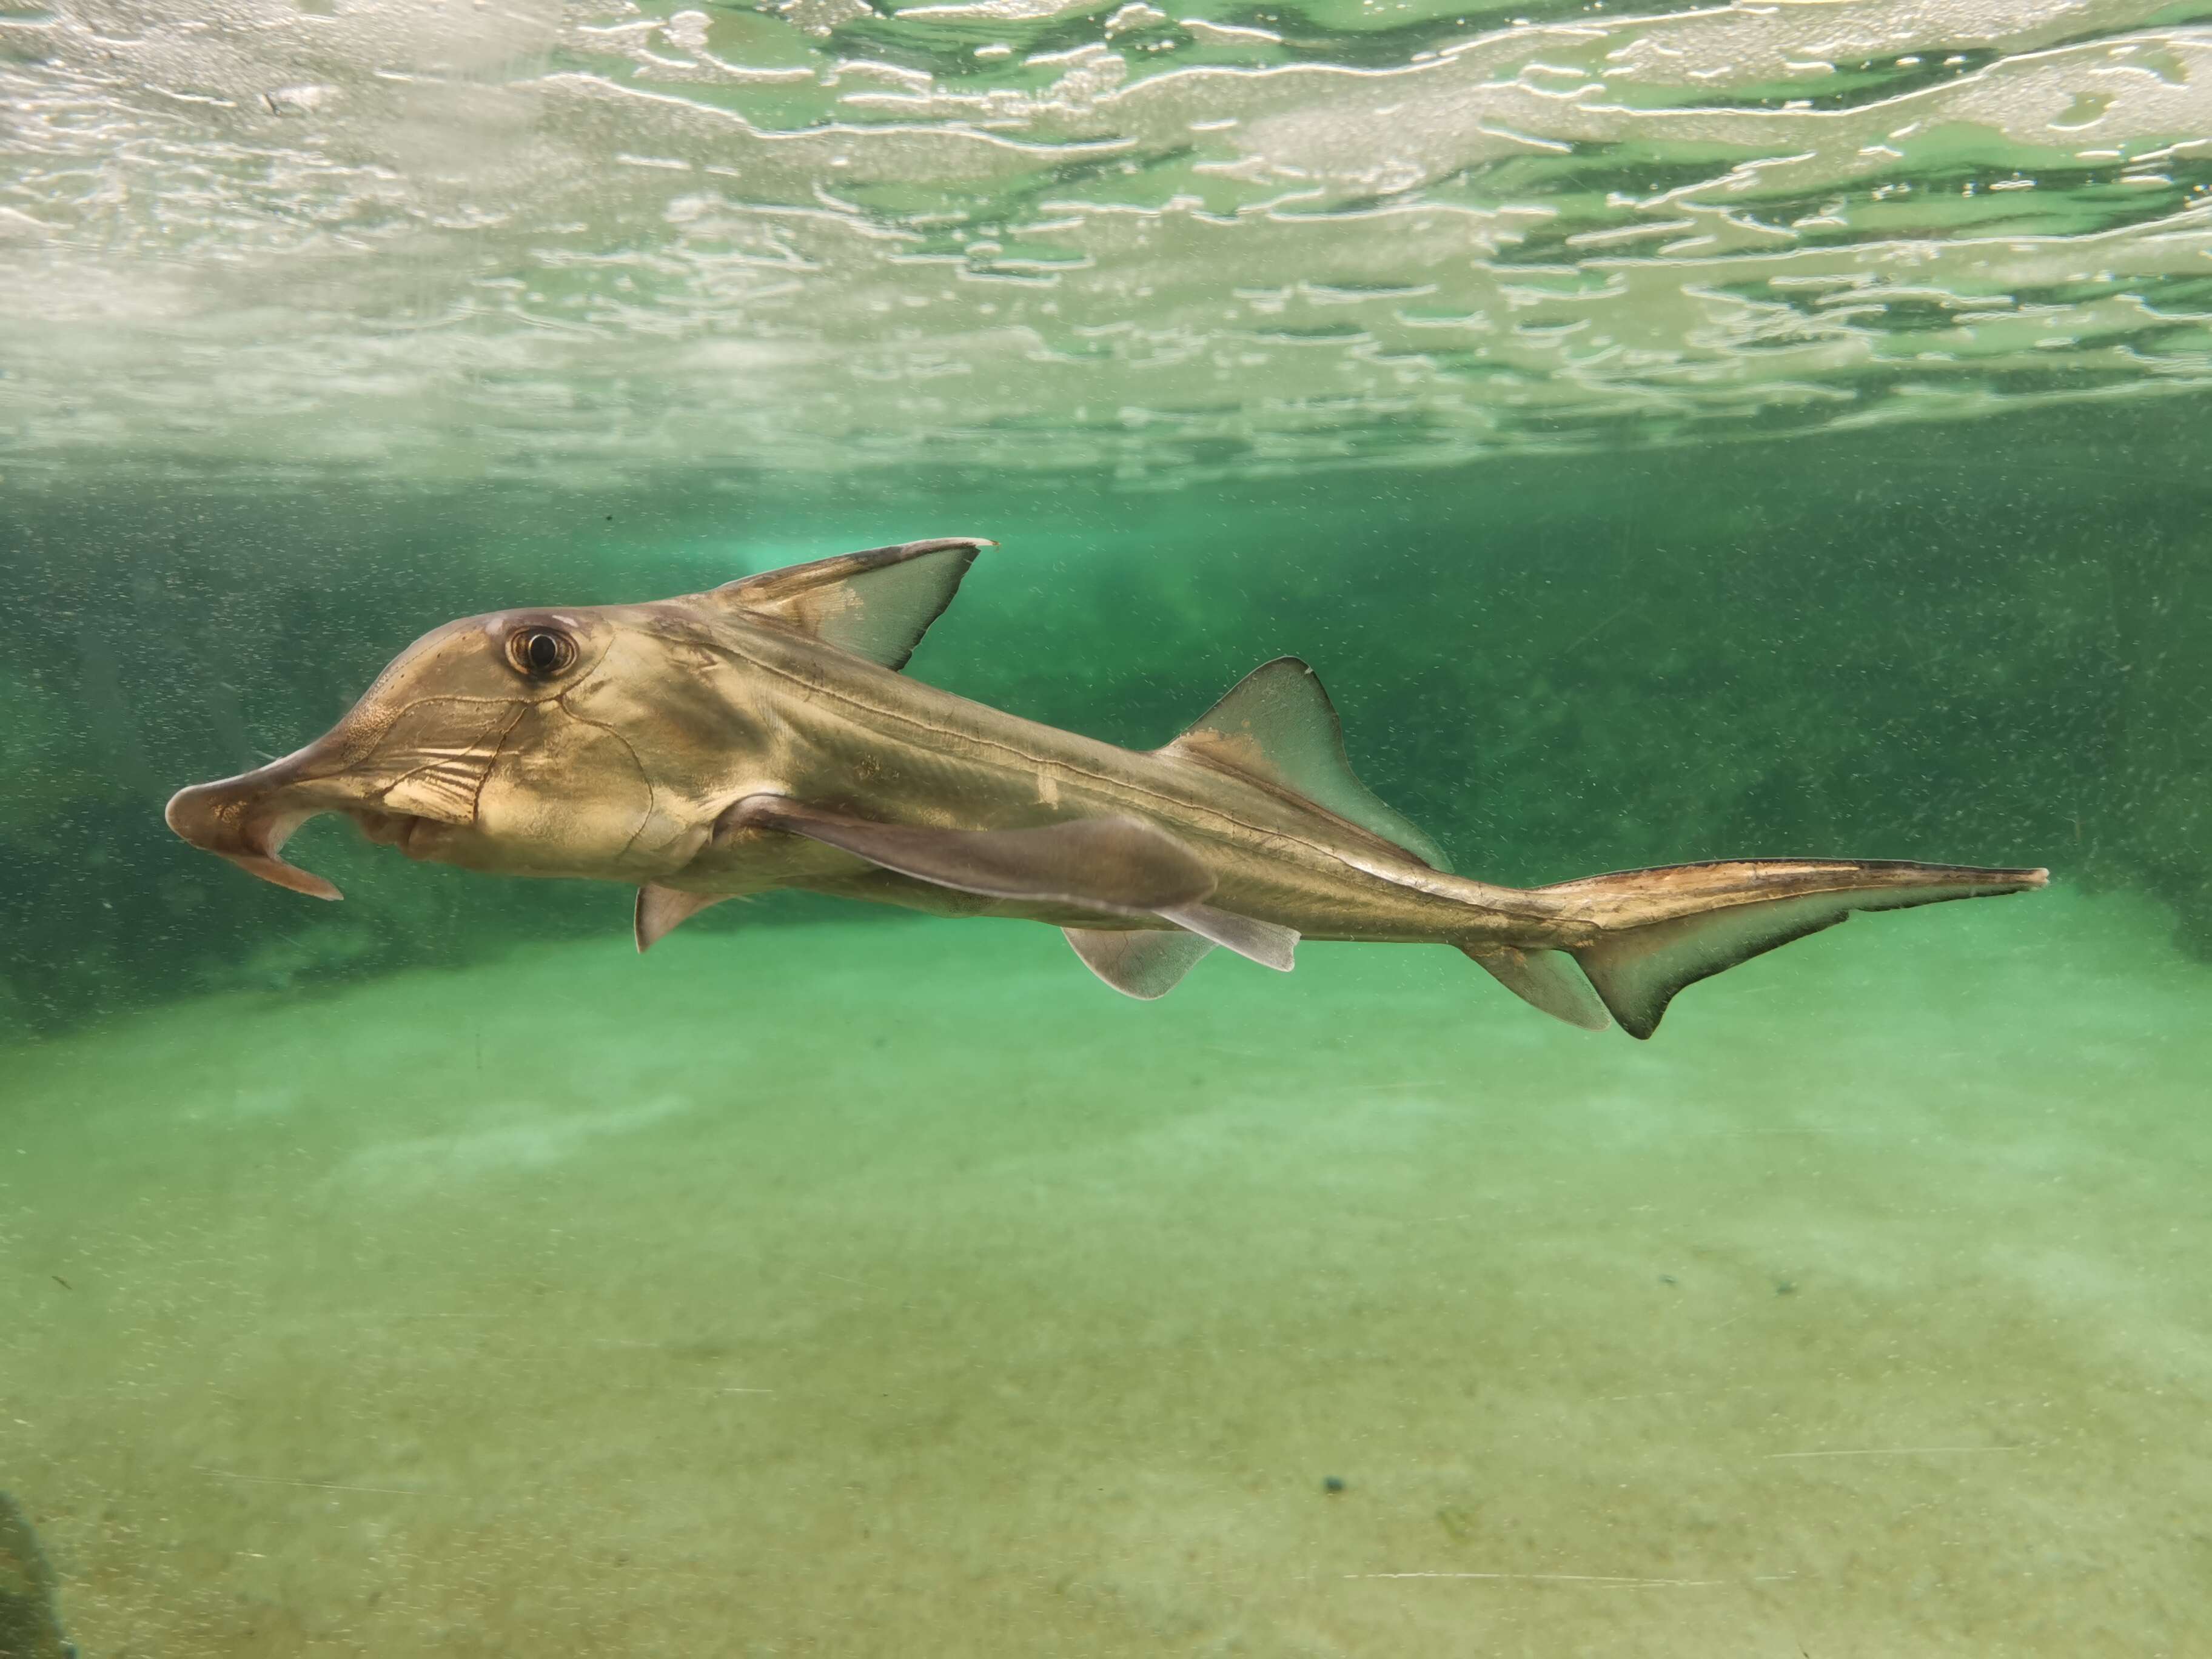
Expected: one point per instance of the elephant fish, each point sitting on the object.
(762, 735)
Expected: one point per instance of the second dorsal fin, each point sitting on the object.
(1278, 726)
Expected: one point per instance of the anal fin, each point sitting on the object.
(1144, 965)
(1544, 979)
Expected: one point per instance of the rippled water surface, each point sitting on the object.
(597, 240)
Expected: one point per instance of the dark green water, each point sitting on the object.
(1706, 432)
(1970, 643)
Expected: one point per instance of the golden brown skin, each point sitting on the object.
(614, 753)
(615, 770)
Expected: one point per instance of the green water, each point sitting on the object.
(864, 1289)
(1702, 432)
(431, 1274)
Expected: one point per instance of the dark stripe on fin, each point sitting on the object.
(1278, 727)
(1544, 979)
(1144, 965)
(1121, 865)
(1725, 913)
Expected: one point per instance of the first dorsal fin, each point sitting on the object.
(1278, 726)
(876, 605)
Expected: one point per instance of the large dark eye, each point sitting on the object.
(541, 653)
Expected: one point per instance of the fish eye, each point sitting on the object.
(541, 653)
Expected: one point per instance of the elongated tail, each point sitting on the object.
(1662, 929)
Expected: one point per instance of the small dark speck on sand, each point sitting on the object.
(1332, 1484)
(59, 1280)
(1785, 1287)
(1666, 1278)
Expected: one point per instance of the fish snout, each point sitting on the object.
(408, 785)
(247, 819)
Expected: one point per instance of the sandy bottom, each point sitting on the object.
(898, 1290)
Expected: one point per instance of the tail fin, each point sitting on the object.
(1665, 929)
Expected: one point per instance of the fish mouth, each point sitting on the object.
(248, 821)
(249, 818)
(416, 837)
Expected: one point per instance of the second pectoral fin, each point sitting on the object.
(1117, 865)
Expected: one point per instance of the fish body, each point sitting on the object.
(868, 740)
(762, 736)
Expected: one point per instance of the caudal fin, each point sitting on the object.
(1665, 929)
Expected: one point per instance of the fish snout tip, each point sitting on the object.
(207, 816)
(176, 814)
(246, 828)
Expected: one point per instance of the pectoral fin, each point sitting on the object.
(1121, 865)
